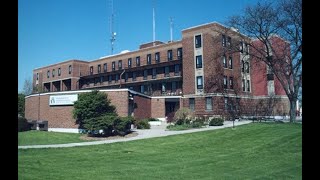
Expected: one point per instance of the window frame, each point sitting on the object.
(200, 86)
(170, 55)
(207, 106)
(192, 104)
(199, 61)
(198, 38)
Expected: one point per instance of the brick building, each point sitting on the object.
(202, 71)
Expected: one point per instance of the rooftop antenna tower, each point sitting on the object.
(171, 27)
(153, 22)
(113, 34)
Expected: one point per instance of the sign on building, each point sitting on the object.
(63, 99)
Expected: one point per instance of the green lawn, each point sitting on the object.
(45, 137)
(253, 151)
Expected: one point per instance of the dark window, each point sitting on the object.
(199, 82)
(120, 64)
(157, 57)
(243, 85)
(226, 103)
(224, 40)
(116, 77)
(208, 103)
(70, 69)
(225, 82)
(101, 79)
(129, 62)
(199, 61)
(191, 104)
(179, 53)
(142, 88)
(230, 62)
(241, 47)
(91, 70)
(270, 77)
(113, 66)
(59, 71)
(173, 86)
(248, 85)
(224, 60)
(126, 77)
(229, 42)
(176, 69)
(110, 79)
(242, 66)
(154, 73)
(231, 82)
(247, 67)
(145, 74)
(149, 59)
(169, 55)
(53, 72)
(198, 41)
(134, 76)
(246, 48)
(105, 67)
(166, 71)
(99, 68)
(138, 61)
(37, 76)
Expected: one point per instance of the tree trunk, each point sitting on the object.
(292, 110)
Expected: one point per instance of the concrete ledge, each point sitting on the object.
(65, 130)
(155, 123)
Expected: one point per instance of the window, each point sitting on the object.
(145, 74)
(176, 69)
(99, 68)
(116, 77)
(179, 53)
(101, 79)
(129, 62)
(229, 42)
(247, 67)
(59, 71)
(198, 41)
(169, 55)
(120, 64)
(224, 60)
(149, 59)
(191, 104)
(242, 66)
(105, 67)
(270, 77)
(230, 62)
(166, 71)
(154, 73)
(142, 88)
(199, 82)
(157, 57)
(231, 82)
(174, 86)
(226, 103)
(164, 87)
(208, 103)
(70, 69)
(91, 70)
(134, 76)
(126, 77)
(223, 40)
(248, 85)
(225, 82)
(138, 61)
(199, 61)
(113, 66)
(246, 48)
(110, 79)
(37, 76)
(53, 72)
(243, 85)
(241, 47)
(48, 74)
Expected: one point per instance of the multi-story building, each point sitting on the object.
(205, 71)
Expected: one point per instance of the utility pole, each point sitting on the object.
(171, 27)
(113, 34)
(153, 22)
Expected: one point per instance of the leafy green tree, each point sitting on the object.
(21, 105)
(92, 105)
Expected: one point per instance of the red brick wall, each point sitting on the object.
(143, 107)
(188, 66)
(158, 107)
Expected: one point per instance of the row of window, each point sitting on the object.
(209, 104)
(149, 60)
(54, 72)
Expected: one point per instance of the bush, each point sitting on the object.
(23, 124)
(183, 116)
(109, 124)
(143, 124)
(216, 122)
(153, 119)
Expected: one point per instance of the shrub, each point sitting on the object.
(23, 124)
(183, 116)
(143, 124)
(216, 122)
(153, 119)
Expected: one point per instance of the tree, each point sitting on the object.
(92, 105)
(21, 104)
(27, 87)
(270, 23)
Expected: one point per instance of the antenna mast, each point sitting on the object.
(171, 27)
(113, 34)
(154, 23)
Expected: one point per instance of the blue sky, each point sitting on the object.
(51, 31)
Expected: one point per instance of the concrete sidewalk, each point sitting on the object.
(155, 131)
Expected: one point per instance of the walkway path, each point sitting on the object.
(155, 131)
